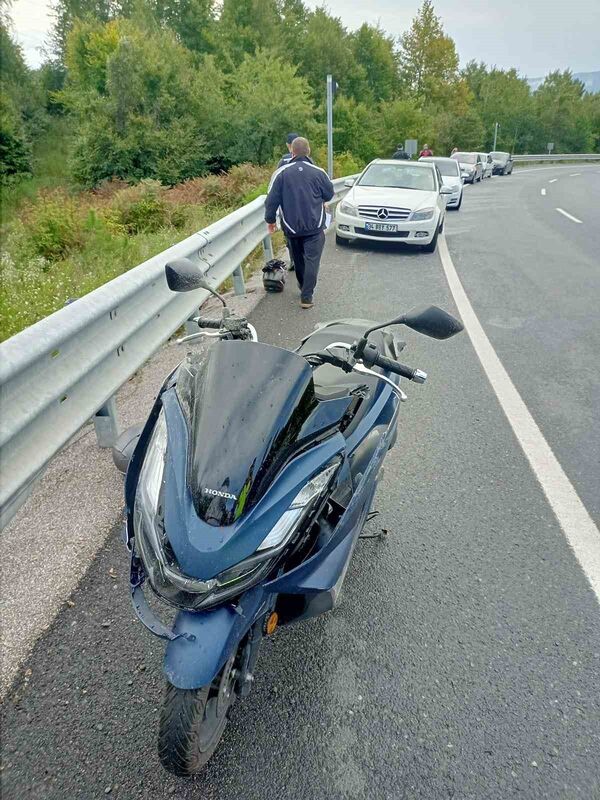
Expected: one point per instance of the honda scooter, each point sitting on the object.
(246, 493)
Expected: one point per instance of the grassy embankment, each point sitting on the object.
(59, 243)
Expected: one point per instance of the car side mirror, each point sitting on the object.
(184, 276)
(445, 190)
(349, 182)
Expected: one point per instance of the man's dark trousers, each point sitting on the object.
(307, 251)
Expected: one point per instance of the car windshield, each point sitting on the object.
(466, 158)
(398, 176)
(447, 167)
(499, 155)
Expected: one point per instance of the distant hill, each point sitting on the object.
(591, 81)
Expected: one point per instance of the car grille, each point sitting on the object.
(383, 234)
(393, 213)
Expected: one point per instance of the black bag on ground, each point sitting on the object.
(274, 275)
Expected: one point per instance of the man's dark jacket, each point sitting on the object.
(298, 190)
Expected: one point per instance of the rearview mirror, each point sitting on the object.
(184, 276)
(432, 321)
(445, 190)
(349, 182)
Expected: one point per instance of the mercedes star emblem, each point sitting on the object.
(382, 213)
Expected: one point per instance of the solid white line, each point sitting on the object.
(569, 216)
(574, 174)
(543, 192)
(577, 525)
(553, 180)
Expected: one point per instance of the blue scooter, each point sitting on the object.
(246, 493)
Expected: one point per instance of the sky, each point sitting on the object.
(535, 36)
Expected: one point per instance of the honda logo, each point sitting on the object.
(383, 213)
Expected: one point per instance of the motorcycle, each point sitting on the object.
(246, 493)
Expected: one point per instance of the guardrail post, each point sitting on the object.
(239, 284)
(268, 248)
(106, 423)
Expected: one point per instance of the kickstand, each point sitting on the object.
(371, 515)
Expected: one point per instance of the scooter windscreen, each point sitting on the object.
(246, 406)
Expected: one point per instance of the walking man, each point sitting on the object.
(401, 153)
(288, 156)
(299, 191)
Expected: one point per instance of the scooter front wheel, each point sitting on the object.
(192, 722)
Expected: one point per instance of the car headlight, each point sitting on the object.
(423, 214)
(348, 208)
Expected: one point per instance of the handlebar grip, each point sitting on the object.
(400, 369)
(209, 323)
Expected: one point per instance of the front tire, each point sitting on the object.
(192, 722)
(430, 248)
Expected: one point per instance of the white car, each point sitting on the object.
(487, 165)
(394, 201)
(451, 177)
(471, 168)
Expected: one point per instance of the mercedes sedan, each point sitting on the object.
(395, 201)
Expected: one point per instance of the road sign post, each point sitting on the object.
(497, 125)
(411, 147)
(330, 125)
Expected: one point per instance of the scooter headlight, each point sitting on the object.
(288, 523)
(151, 475)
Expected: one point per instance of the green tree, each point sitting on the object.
(266, 99)
(15, 151)
(140, 103)
(428, 58)
(355, 129)
(504, 97)
(246, 26)
(374, 53)
(326, 49)
(401, 120)
(464, 131)
(560, 110)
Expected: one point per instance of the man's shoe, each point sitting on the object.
(306, 304)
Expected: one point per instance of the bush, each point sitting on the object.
(54, 227)
(143, 209)
(228, 189)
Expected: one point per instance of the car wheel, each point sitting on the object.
(430, 248)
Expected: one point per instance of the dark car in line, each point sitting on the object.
(503, 163)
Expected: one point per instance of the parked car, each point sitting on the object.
(502, 163)
(397, 201)
(470, 166)
(487, 165)
(451, 177)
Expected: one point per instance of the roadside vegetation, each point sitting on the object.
(149, 120)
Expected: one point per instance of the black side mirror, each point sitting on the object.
(432, 321)
(184, 276)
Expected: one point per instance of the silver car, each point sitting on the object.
(451, 177)
(471, 168)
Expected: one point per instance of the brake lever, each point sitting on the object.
(358, 367)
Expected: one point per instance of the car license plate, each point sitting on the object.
(380, 226)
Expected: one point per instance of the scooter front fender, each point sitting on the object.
(211, 636)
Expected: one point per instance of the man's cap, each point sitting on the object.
(291, 137)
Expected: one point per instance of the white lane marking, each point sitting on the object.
(543, 192)
(553, 180)
(569, 216)
(574, 174)
(577, 525)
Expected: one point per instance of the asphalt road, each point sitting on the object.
(464, 660)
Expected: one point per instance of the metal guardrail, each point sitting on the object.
(65, 370)
(559, 157)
